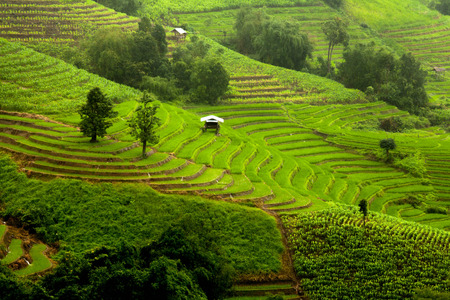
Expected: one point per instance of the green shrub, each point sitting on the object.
(163, 88)
(436, 210)
(334, 3)
(413, 163)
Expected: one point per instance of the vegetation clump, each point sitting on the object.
(144, 122)
(336, 260)
(96, 115)
(399, 82)
(274, 41)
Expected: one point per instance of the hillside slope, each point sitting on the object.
(404, 26)
(265, 154)
(57, 21)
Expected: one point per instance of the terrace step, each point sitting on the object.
(5, 141)
(170, 168)
(262, 289)
(250, 77)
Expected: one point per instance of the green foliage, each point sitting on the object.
(334, 3)
(130, 7)
(387, 144)
(336, 260)
(124, 272)
(82, 216)
(438, 116)
(248, 25)
(274, 297)
(336, 33)
(163, 88)
(436, 210)
(11, 288)
(273, 41)
(279, 43)
(413, 163)
(401, 124)
(96, 114)
(126, 57)
(199, 72)
(399, 82)
(144, 122)
(209, 81)
(443, 6)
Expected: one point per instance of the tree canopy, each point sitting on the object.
(336, 33)
(388, 144)
(280, 43)
(274, 41)
(144, 122)
(96, 114)
(399, 82)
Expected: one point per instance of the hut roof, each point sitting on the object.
(179, 30)
(437, 69)
(211, 118)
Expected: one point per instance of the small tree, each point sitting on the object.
(363, 209)
(144, 122)
(387, 144)
(336, 33)
(95, 115)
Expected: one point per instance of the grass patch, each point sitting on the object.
(15, 251)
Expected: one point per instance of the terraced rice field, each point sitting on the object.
(427, 40)
(308, 168)
(22, 252)
(57, 21)
(219, 24)
(34, 82)
(430, 43)
(271, 150)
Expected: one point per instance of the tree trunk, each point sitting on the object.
(144, 147)
(93, 138)
(329, 57)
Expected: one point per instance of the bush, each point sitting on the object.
(399, 82)
(163, 88)
(400, 124)
(413, 163)
(334, 3)
(436, 210)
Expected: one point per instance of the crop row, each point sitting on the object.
(30, 82)
(54, 21)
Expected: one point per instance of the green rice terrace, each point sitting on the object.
(22, 252)
(401, 26)
(273, 198)
(57, 21)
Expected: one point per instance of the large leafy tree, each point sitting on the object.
(281, 44)
(248, 25)
(126, 57)
(399, 82)
(199, 72)
(209, 80)
(144, 122)
(274, 41)
(96, 114)
(336, 33)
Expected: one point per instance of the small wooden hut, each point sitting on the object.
(211, 122)
(179, 33)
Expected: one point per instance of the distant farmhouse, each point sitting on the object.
(179, 33)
